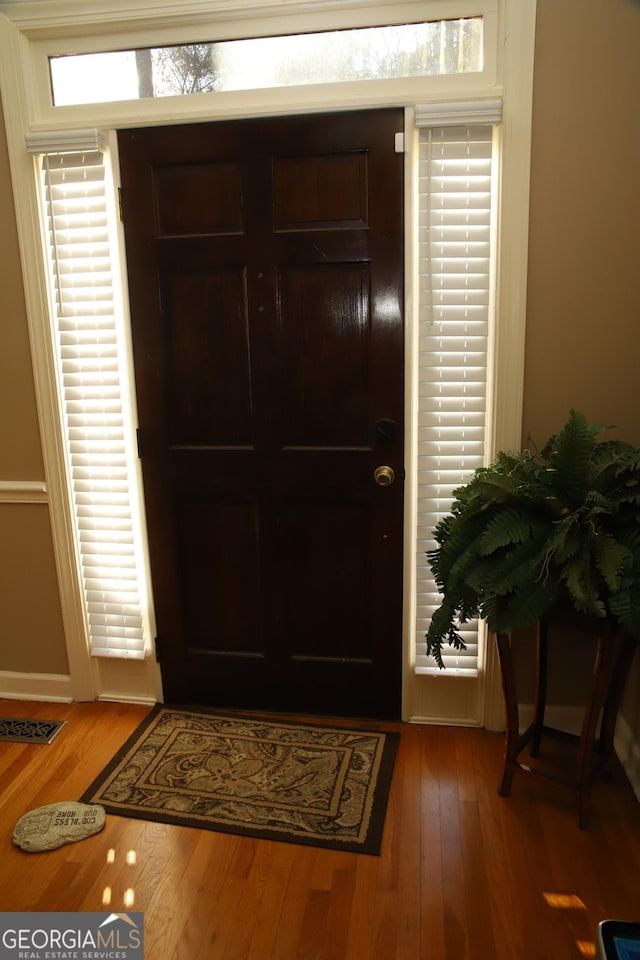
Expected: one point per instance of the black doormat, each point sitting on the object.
(21, 730)
(269, 778)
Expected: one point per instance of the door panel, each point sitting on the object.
(265, 264)
(198, 198)
(208, 355)
(324, 338)
(320, 191)
(221, 600)
(320, 596)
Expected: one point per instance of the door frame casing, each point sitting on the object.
(22, 34)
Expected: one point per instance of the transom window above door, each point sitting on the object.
(436, 48)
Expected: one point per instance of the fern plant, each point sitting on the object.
(528, 534)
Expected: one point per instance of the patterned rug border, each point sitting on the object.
(371, 843)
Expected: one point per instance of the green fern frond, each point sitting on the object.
(617, 475)
(610, 558)
(490, 610)
(520, 609)
(630, 497)
(520, 565)
(564, 541)
(455, 536)
(625, 607)
(528, 532)
(620, 606)
(441, 630)
(572, 453)
(486, 486)
(508, 526)
(597, 501)
(577, 574)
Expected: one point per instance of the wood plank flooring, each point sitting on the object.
(463, 874)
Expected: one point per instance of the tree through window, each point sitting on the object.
(373, 53)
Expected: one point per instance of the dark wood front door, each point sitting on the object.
(265, 269)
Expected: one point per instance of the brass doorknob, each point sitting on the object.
(384, 476)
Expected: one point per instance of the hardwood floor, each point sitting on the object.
(463, 874)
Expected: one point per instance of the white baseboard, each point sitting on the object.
(625, 743)
(125, 698)
(53, 687)
(627, 749)
(56, 688)
(568, 719)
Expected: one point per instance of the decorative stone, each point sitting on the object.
(56, 824)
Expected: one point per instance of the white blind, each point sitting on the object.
(100, 463)
(455, 270)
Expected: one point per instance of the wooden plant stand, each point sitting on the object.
(610, 671)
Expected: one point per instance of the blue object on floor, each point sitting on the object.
(618, 940)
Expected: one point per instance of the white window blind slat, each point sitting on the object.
(454, 262)
(75, 200)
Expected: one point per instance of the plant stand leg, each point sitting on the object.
(600, 682)
(614, 695)
(503, 641)
(609, 676)
(614, 653)
(542, 640)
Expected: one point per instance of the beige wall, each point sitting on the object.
(583, 305)
(583, 311)
(31, 632)
(20, 453)
(583, 335)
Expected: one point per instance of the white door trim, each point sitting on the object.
(23, 30)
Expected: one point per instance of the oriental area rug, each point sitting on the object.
(276, 779)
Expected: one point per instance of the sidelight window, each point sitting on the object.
(455, 271)
(89, 357)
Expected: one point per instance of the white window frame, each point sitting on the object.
(94, 386)
(452, 384)
(28, 33)
(224, 19)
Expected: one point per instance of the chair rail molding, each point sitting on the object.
(23, 491)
